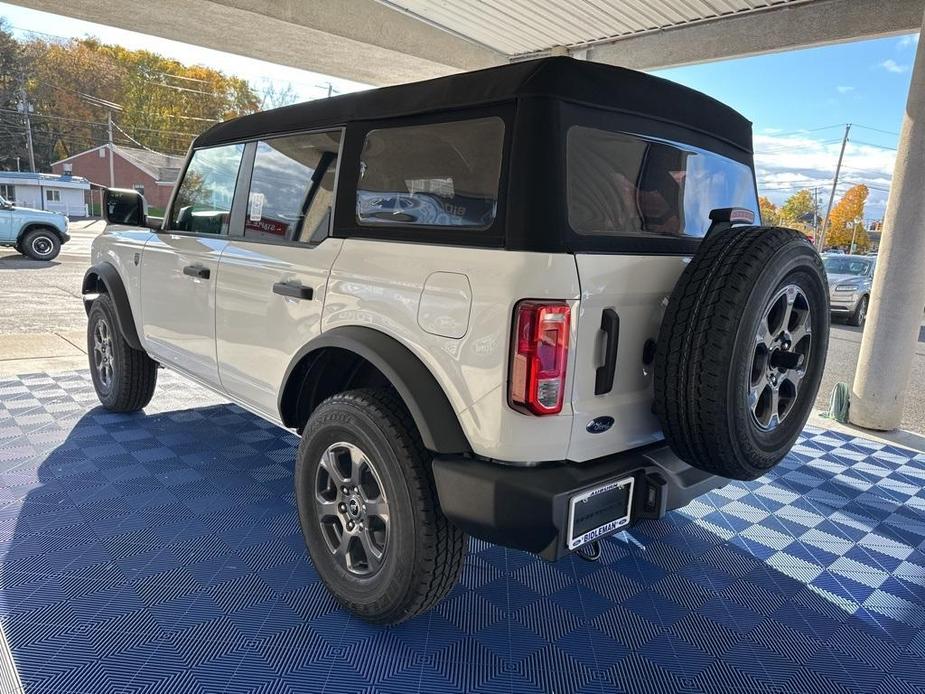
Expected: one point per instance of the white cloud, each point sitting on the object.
(891, 65)
(908, 41)
(785, 165)
(844, 89)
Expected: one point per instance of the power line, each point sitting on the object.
(871, 144)
(100, 123)
(877, 130)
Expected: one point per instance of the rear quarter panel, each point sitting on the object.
(379, 284)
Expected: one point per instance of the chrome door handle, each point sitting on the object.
(199, 271)
(293, 289)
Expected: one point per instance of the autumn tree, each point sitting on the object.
(164, 103)
(847, 220)
(769, 212)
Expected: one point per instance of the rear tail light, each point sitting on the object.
(540, 355)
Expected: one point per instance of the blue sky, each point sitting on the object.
(798, 101)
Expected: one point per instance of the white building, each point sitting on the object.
(42, 191)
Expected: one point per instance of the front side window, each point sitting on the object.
(203, 201)
(441, 174)
(7, 192)
(292, 188)
(619, 184)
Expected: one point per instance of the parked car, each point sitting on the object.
(850, 280)
(37, 234)
(527, 304)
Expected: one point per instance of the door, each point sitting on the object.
(7, 234)
(180, 265)
(647, 195)
(273, 274)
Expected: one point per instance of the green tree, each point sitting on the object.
(798, 212)
(13, 68)
(799, 208)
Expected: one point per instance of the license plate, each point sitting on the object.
(599, 511)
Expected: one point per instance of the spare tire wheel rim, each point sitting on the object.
(41, 245)
(352, 509)
(783, 342)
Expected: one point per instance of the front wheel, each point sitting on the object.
(124, 378)
(369, 510)
(41, 244)
(859, 315)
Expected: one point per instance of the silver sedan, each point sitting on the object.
(850, 280)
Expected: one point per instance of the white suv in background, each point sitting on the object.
(526, 304)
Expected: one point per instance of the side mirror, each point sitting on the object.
(122, 206)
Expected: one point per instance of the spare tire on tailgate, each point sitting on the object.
(741, 350)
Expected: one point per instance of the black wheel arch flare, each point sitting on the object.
(415, 384)
(104, 277)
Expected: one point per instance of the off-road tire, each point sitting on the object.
(424, 551)
(36, 240)
(134, 373)
(859, 315)
(706, 345)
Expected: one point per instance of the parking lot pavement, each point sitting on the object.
(844, 347)
(161, 551)
(42, 318)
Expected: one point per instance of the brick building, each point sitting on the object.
(150, 173)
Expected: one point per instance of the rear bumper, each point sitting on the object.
(527, 507)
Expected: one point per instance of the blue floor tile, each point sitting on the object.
(161, 552)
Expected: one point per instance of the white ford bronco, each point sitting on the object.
(527, 304)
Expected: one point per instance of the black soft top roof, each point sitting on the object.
(594, 84)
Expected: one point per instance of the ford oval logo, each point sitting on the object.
(599, 425)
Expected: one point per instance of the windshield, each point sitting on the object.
(620, 184)
(846, 266)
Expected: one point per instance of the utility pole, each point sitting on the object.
(112, 175)
(820, 243)
(328, 86)
(25, 107)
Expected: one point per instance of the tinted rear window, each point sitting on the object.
(619, 184)
(441, 174)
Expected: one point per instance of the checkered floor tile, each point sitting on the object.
(161, 552)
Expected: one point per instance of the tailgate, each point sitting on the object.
(637, 288)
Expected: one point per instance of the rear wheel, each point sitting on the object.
(41, 244)
(124, 378)
(369, 509)
(859, 315)
(741, 350)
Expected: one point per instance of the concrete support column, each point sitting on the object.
(898, 296)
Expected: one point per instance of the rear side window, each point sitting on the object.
(203, 201)
(292, 188)
(619, 184)
(441, 174)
